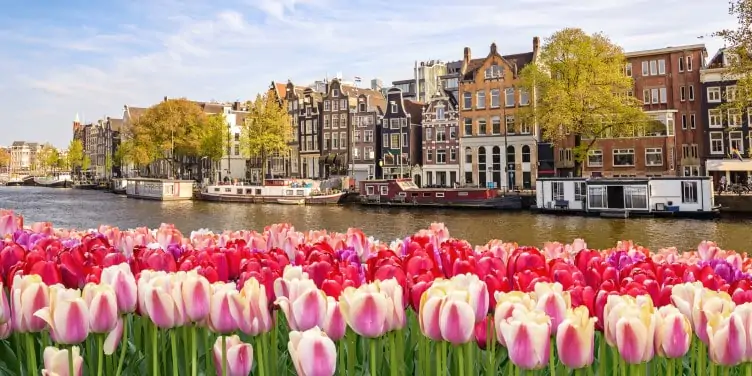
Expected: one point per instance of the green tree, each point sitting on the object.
(4, 159)
(739, 44)
(266, 130)
(581, 90)
(107, 166)
(75, 155)
(52, 157)
(215, 139)
(85, 163)
(167, 131)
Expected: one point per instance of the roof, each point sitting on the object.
(521, 60)
(375, 98)
(212, 108)
(116, 124)
(19, 143)
(135, 112)
(666, 50)
(415, 109)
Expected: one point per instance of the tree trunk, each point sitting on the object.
(263, 166)
(577, 159)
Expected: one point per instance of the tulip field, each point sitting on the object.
(107, 301)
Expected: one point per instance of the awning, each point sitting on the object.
(728, 165)
(335, 159)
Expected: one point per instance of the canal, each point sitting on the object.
(86, 209)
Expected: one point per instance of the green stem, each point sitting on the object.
(224, 356)
(351, 355)
(194, 351)
(726, 371)
(601, 356)
(123, 346)
(623, 366)
(552, 357)
(154, 352)
(100, 354)
(174, 346)
(341, 344)
(208, 347)
(372, 362)
(32, 351)
(748, 369)
(461, 361)
(392, 354)
(70, 361)
(274, 349)
(712, 370)
(438, 359)
(470, 358)
(670, 363)
(489, 352)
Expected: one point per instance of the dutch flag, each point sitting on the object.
(357, 78)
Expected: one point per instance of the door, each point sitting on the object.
(615, 194)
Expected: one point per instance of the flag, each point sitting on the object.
(357, 78)
(736, 155)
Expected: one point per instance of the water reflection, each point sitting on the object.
(86, 209)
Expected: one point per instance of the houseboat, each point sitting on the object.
(689, 196)
(62, 180)
(274, 191)
(159, 189)
(118, 186)
(404, 192)
(14, 182)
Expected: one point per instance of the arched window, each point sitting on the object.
(525, 153)
(468, 155)
(496, 165)
(482, 166)
(510, 154)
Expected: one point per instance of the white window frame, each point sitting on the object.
(683, 93)
(465, 97)
(736, 137)
(734, 117)
(662, 66)
(616, 152)
(653, 151)
(715, 118)
(646, 96)
(689, 63)
(595, 153)
(714, 94)
(690, 192)
(663, 94)
(557, 190)
(506, 97)
(691, 94)
(654, 96)
(384, 190)
(645, 68)
(628, 69)
(480, 99)
(653, 67)
(715, 137)
(731, 93)
(692, 119)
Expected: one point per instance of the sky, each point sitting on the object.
(62, 58)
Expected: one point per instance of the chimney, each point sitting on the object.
(493, 48)
(236, 106)
(536, 45)
(467, 54)
(165, 98)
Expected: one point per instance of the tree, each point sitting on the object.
(215, 139)
(107, 166)
(85, 163)
(167, 131)
(75, 155)
(581, 90)
(266, 130)
(739, 54)
(4, 159)
(51, 157)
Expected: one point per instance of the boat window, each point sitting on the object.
(439, 194)
(462, 194)
(288, 192)
(414, 195)
(216, 189)
(636, 197)
(689, 192)
(557, 190)
(228, 190)
(249, 191)
(369, 190)
(427, 194)
(402, 194)
(384, 190)
(597, 197)
(299, 192)
(258, 191)
(580, 191)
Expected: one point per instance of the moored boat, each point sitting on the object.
(118, 186)
(14, 182)
(273, 191)
(404, 192)
(59, 181)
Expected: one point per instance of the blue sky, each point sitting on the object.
(60, 58)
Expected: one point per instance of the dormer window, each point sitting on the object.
(440, 113)
(335, 93)
(494, 71)
(393, 107)
(362, 106)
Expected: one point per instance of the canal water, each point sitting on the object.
(86, 209)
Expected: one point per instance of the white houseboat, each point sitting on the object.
(624, 197)
(159, 189)
(274, 191)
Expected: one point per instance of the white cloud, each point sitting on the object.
(196, 49)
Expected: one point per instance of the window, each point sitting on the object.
(495, 98)
(237, 136)
(734, 117)
(356, 153)
(654, 96)
(468, 131)
(495, 125)
(429, 155)
(481, 126)
(404, 140)
(356, 136)
(557, 190)
(691, 171)
(714, 94)
(524, 98)
(623, 157)
(597, 197)
(335, 105)
(689, 63)
(662, 66)
(468, 155)
(684, 121)
(683, 93)
(580, 189)
(681, 64)
(326, 121)
(335, 121)
(595, 158)
(467, 102)
(691, 92)
(509, 124)
(452, 133)
(628, 69)
(653, 67)
(453, 155)
(645, 71)
(731, 93)
(689, 192)
(494, 71)
(663, 94)
(440, 113)
(735, 141)
(385, 140)
(394, 123)
(714, 119)
(326, 105)
(524, 127)
(393, 107)
(692, 121)
(429, 134)
(237, 150)
(481, 97)
(646, 96)
(343, 104)
(441, 156)
(395, 141)
(367, 136)
(441, 134)
(716, 142)
(654, 157)
(327, 141)
(343, 120)
(509, 97)
(368, 153)
(384, 190)
(635, 197)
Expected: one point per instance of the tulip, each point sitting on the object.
(159, 301)
(252, 313)
(290, 274)
(67, 316)
(102, 304)
(429, 313)
(673, 333)
(312, 353)
(707, 302)
(552, 300)
(366, 310)
(5, 313)
(239, 356)
(575, 338)
(457, 318)
(613, 311)
(304, 306)
(196, 291)
(113, 338)
(56, 362)
(727, 337)
(526, 335)
(477, 292)
(684, 295)
(334, 326)
(122, 281)
(505, 305)
(635, 328)
(29, 294)
(225, 308)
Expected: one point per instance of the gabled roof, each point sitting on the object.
(134, 112)
(415, 109)
(116, 124)
(519, 60)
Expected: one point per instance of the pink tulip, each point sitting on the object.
(396, 318)
(552, 300)
(196, 291)
(5, 314)
(709, 302)
(142, 287)
(727, 338)
(290, 274)
(673, 333)
(635, 328)
(6, 330)
(334, 323)
(239, 356)
(252, 311)
(225, 308)
(29, 294)
(56, 362)
(67, 316)
(527, 335)
(312, 353)
(366, 310)
(429, 313)
(113, 338)
(103, 309)
(306, 305)
(505, 305)
(122, 281)
(159, 302)
(575, 338)
(457, 320)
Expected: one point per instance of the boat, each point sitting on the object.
(273, 191)
(159, 189)
(85, 185)
(686, 196)
(59, 181)
(404, 192)
(29, 181)
(14, 182)
(118, 186)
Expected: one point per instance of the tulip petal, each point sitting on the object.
(113, 338)
(457, 322)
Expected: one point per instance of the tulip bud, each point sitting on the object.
(575, 338)
(239, 356)
(312, 353)
(56, 362)
(102, 304)
(122, 281)
(67, 316)
(526, 335)
(673, 333)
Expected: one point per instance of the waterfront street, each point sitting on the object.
(86, 209)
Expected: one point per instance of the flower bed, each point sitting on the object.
(282, 302)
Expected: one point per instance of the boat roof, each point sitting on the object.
(596, 179)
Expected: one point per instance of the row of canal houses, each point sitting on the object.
(467, 132)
